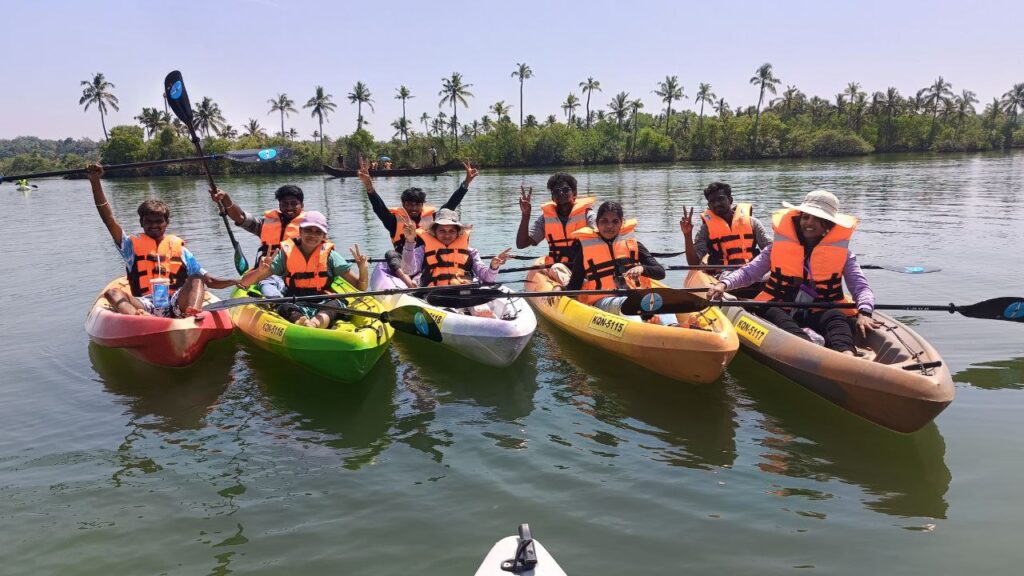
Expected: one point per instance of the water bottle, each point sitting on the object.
(161, 293)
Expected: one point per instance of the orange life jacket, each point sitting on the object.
(426, 219)
(306, 276)
(604, 263)
(559, 235)
(272, 234)
(731, 244)
(147, 254)
(822, 272)
(445, 265)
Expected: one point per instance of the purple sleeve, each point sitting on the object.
(412, 258)
(858, 284)
(753, 272)
(482, 272)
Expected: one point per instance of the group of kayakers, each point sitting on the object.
(808, 260)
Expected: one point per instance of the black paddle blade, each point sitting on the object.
(413, 320)
(662, 301)
(1006, 308)
(177, 97)
(902, 269)
(456, 297)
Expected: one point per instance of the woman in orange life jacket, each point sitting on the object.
(153, 254)
(609, 258)
(273, 227)
(414, 209)
(808, 262)
(309, 265)
(558, 219)
(728, 233)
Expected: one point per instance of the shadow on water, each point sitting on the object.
(808, 437)
(696, 423)
(995, 375)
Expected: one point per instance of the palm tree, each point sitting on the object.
(322, 105)
(964, 106)
(228, 132)
(153, 120)
(360, 94)
(620, 107)
(207, 115)
(292, 133)
(791, 101)
(722, 108)
(437, 126)
(485, 123)
(425, 118)
(401, 127)
(254, 130)
(551, 120)
(475, 128)
(635, 107)
(524, 73)
(531, 121)
(404, 94)
(501, 110)
(765, 80)
(454, 91)
(284, 105)
(569, 106)
(888, 102)
(704, 96)
(1012, 100)
(669, 90)
(99, 92)
(934, 97)
(589, 86)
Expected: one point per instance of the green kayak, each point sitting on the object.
(345, 352)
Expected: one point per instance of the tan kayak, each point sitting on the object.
(695, 355)
(901, 382)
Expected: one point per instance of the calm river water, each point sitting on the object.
(245, 464)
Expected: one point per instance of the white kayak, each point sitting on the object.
(520, 555)
(496, 341)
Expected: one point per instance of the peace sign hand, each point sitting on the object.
(364, 175)
(470, 172)
(686, 222)
(525, 196)
(500, 259)
(408, 230)
(358, 257)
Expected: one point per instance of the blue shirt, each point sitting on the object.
(192, 266)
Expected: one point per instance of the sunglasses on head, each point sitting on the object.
(562, 190)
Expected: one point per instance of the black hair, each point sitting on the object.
(156, 208)
(560, 179)
(718, 187)
(289, 190)
(610, 207)
(416, 195)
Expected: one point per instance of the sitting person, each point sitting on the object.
(557, 222)
(309, 265)
(153, 258)
(728, 233)
(808, 262)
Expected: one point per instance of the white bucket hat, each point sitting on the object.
(824, 205)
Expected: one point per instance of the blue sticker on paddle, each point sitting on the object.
(176, 89)
(1014, 311)
(651, 302)
(420, 321)
(267, 154)
(914, 269)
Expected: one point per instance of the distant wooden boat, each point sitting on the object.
(340, 173)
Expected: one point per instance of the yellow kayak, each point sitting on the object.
(697, 354)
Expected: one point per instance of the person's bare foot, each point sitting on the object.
(849, 352)
(302, 321)
(313, 322)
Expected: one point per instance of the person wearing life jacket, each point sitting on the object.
(273, 227)
(153, 254)
(309, 265)
(728, 233)
(414, 209)
(808, 262)
(610, 257)
(558, 220)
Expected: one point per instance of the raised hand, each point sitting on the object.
(500, 259)
(364, 175)
(408, 230)
(358, 257)
(525, 198)
(470, 172)
(686, 222)
(95, 171)
(221, 198)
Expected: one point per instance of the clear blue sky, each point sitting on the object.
(244, 52)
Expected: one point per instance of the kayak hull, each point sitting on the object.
(161, 341)
(890, 386)
(505, 549)
(494, 341)
(695, 356)
(346, 352)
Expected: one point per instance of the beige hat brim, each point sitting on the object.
(840, 219)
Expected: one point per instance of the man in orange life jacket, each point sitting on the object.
(728, 233)
(153, 254)
(273, 227)
(309, 265)
(558, 220)
(808, 262)
(414, 209)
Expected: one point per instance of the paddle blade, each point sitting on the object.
(253, 155)
(662, 301)
(413, 320)
(456, 297)
(177, 98)
(902, 269)
(1006, 308)
(241, 264)
(231, 303)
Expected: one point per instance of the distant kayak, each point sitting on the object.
(24, 188)
(521, 555)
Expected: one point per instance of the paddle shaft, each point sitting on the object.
(115, 167)
(951, 308)
(223, 304)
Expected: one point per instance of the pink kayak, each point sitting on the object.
(161, 341)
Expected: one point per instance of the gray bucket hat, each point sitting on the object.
(447, 217)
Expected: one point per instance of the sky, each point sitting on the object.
(242, 53)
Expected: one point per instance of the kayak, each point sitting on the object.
(24, 188)
(520, 555)
(344, 352)
(496, 341)
(900, 382)
(697, 351)
(153, 339)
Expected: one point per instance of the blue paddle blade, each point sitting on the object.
(413, 320)
(902, 269)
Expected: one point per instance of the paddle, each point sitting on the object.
(458, 297)
(232, 302)
(890, 267)
(409, 319)
(675, 301)
(177, 98)
(249, 156)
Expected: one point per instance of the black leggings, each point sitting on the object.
(833, 325)
(292, 312)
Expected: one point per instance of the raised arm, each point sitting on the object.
(95, 171)
(385, 216)
(460, 192)
(222, 200)
(686, 226)
(523, 239)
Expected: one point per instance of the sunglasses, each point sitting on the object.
(561, 190)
